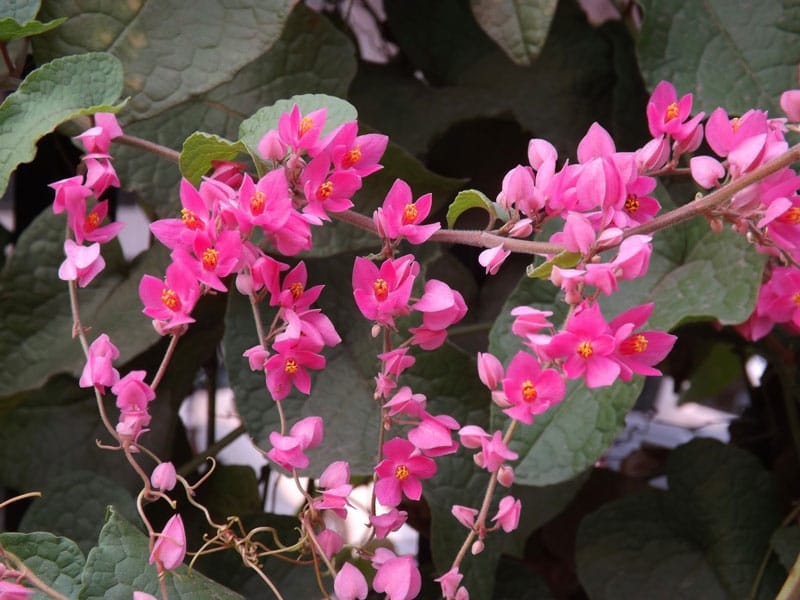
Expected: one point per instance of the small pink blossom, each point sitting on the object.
(289, 367)
(83, 263)
(401, 217)
(400, 471)
(170, 547)
(397, 576)
(388, 522)
(170, 300)
(490, 370)
(350, 583)
(493, 258)
(10, 590)
(164, 476)
(432, 435)
(530, 389)
(465, 515)
(97, 139)
(667, 114)
(288, 450)
(790, 104)
(335, 485)
(382, 294)
(357, 153)
(450, 582)
(508, 513)
(330, 542)
(494, 453)
(98, 370)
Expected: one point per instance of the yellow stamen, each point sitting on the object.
(529, 392)
(401, 472)
(209, 259)
(325, 190)
(791, 216)
(631, 204)
(381, 288)
(257, 202)
(585, 349)
(170, 299)
(410, 213)
(672, 111)
(306, 123)
(92, 221)
(351, 158)
(296, 288)
(796, 298)
(290, 366)
(634, 344)
(190, 219)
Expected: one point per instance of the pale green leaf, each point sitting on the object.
(467, 199)
(563, 260)
(57, 561)
(12, 30)
(55, 92)
(518, 26)
(171, 50)
(738, 55)
(200, 149)
(20, 10)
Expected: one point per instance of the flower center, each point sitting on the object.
(410, 213)
(791, 216)
(170, 299)
(92, 221)
(325, 190)
(585, 349)
(352, 157)
(290, 366)
(381, 288)
(209, 259)
(401, 472)
(190, 219)
(631, 204)
(296, 289)
(529, 392)
(634, 345)
(257, 202)
(796, 298)
(306, 123)
(736, 122)
(672, 111)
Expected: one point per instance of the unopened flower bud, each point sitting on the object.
(477, 547)
(376, 330)
(505, 475)
(164, 476)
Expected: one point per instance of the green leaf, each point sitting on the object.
(310, 56)
(57, 561)
(467, 199)
(201, 149)
(20, 10)
(518, 26)
(10, 29)
(515, 580)
(118, 566)
(785, 543)
(74, 505)
(55, 92)
(170, 50)
(563, 260)
(726, 53)
(35, 319)
(231, 490)
(338, 111)
(709, 532)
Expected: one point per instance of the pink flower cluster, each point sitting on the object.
(84, 262)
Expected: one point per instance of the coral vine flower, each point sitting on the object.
(588, 346)
(508, 513)
(83, 263)
(398, 576)
(327, 192)
(335, 485)
(383, 293)
(399, 473)
(288, 366)
(530, 389)
(88, 228)
(301, 132)
(667, 115)
(358, 153)
(99, 371)
(388, 522)
(350, 583)
(637, 352)
(97, 139)
(400, 217)
(172, 299)
(288, 450)
(170, 547)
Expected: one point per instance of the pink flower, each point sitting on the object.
(71, 196)
(399, 473)
(382, 294)
(89, 228)
(301, 132)
(335, 485)
(327, 192)
(83, 263)
(706, 171)
(406, 402)
(143, 596)
(667, 114)
(293, 293)
(288, 450)
(518, 191)
(196, 215)
(288, 367)
(97, 139)
(388, 522)
(132, 392)
(637, 352)
(170, 547)
(271, 147)
(100, 173)
(10, 590)
(397, 576)
(330, 542)
(588, 346)
(350, 583)
(493, 258)
(529, 389)
(508, 513)
(98, 370)
(360, 154)
(465, 515)
(494, 453)
(266, 204)
(172, 299)
(433, 436)
(400, 217)
(164, 476)
(449, 582)
(490, 369)
(790, 104)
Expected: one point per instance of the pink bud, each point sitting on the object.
(505, 476)
(465, 515)
(143, 596)
(350, 583)
(508, 513)
(330, 542)
(271, 147)
(490, 370)
(164, 476)
(790, 103)
(477, 547)
(170, 547)
(706, 171)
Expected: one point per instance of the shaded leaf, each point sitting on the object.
(310, 56)
(118, 566)
(709, 532)
(57, 561)
(517, 581)
(74, 505)
(564, 260)
(11, 29)
(726, 53)
(170, 50)
(21, 10)
(518, 26)
(785, 543)
(55, 92)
